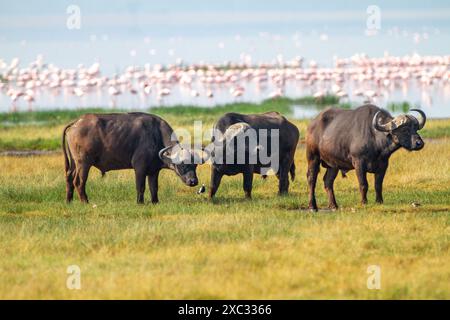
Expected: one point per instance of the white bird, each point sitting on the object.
(14, 97)
(319, 94)
(276, 94)
(30, 100)
(164, 92)
(237, 91)
(78, 92)
(147, 89)
(113, 91)
(202, 189)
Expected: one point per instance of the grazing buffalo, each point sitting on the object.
(362, 139)
(256, 143)
(138, 141)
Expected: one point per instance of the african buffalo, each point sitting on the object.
(252, 129)
(138, 141)
(362, 139)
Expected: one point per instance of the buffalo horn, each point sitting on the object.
(161, 152)
(381, 127)
(422, 119)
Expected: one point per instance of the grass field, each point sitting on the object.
(189, 247)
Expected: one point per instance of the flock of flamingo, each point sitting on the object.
(357, 76)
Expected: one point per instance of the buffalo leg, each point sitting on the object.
(248, 182)
(216, 177)
(283, 183)
(328, 179)
(313, 171)
(379, 177)
(69, 185)
(361, 173)
(81, 176)
(140, 185)
(153, 184)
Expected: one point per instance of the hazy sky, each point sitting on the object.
(117, 33)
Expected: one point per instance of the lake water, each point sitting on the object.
(434, 99)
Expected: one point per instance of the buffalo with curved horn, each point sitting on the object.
(240, 147)
(139, 141)
(399, 121)
(362, 139)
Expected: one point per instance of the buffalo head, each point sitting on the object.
(224, 144)
(184, 162)
(403, 129)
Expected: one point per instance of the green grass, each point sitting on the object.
(41, 130)
(282, 105)
(326, 100)
(53, 117)
(190, 247)
(399, 106)
(436, 128)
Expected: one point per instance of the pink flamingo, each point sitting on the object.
(30, 100)
(113, 92)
